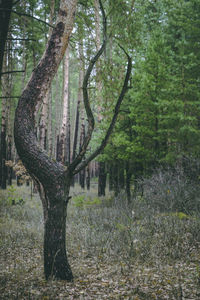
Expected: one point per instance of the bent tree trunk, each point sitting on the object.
(52, 178)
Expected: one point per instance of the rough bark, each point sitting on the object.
(44, 122)
(55, 258)
(52, 181)
(49, 129)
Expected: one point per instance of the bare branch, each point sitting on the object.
(27, 15)
(86, 101)
(9, 72)
(112, 124)
(10, 97)
(16, 39)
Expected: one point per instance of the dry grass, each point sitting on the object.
(114, 253)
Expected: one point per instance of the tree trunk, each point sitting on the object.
(53, 179)
(5, 123)
(121, 176)
(9, 158)
(3, 159)
(128, 182)
(116, 178)
(102, 179)
(111, 181)
(49, 129)
(55, 258)
(63, 155)
(44, 122)
(4, 27)
(82, 137)
(88, 177)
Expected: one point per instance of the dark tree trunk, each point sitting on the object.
(3, 160)
(88, 177)
(19, 183)
(75, 141)
(121, 176)
(9, 158)
(128, 182)
(55, 258)
(116, 178)
(59, 149)
(75, 138)
(111, 181)
(6, 6)
(82, 178)
(102, 179)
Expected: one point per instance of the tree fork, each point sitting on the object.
(52, 183)
(53, 179)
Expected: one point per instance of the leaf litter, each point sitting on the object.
(96, 276)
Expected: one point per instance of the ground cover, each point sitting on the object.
(116, 252)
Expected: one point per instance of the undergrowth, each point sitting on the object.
(120, 252)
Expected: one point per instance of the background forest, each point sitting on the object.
(138, 222)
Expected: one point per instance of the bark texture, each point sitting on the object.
(52, 178)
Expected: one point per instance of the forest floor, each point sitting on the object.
(114, 252)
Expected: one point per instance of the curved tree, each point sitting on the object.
(53, 179)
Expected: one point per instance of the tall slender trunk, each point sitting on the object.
(65, 128)
(49, 129)
(121, 175)
(128, 182)
(44, 122)
(82, 123)
(3, 168)
(116, 178)
(111, 181)
(82, 137)
(57, 118)
(102, 179)
(88, 177)
(5, 117)
(76, 126)
(102, 172)
(79, 101)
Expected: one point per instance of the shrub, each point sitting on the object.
(171, 190)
